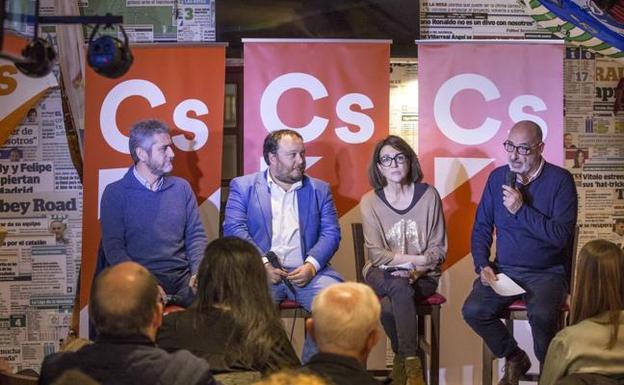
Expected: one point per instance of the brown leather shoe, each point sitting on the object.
(515, 369)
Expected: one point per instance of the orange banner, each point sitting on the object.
(182, 86)
(334, 93)
(470, 95)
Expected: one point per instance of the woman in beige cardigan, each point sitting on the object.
(405, 236)
(591, 351)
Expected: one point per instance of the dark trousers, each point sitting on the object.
(398, 307)
(545, 294)
(590, 379)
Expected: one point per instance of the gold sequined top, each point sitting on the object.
(418, 230)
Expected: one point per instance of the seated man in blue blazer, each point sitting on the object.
(291, 218)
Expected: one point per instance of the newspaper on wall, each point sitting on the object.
(594, 143)
(157, 21)
(486, 19)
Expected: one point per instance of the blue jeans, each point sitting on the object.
(304, 296)
(545, 294)
(398, 307)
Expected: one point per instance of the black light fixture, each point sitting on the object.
(38, 58)
(109, 56)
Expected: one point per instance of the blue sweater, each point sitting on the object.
(160, 230)
(540, 235)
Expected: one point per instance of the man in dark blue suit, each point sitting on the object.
(282, 210)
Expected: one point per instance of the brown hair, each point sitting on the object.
(600, 285)
(271, 141)
(414, 174)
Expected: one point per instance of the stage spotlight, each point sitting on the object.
(109, 56)
(38, 58)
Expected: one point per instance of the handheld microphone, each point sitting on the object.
(510, 179)
(274, 261)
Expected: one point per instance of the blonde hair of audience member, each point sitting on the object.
(345, 320)
(125, 301)
(291, 378)
(600, 285)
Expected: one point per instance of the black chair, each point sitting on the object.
(429, 306)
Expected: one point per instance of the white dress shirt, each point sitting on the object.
(286, 237)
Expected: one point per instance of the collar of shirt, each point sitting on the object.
(293, 187)
(532, 177)
(154, 187)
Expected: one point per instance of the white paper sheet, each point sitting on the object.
(505, 286)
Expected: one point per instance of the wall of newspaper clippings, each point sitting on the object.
(41, 209)
(594, 142)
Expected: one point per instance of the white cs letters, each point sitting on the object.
(155, 97)
(283, 83)
(366, 124)
(317, 125)
(486, 131)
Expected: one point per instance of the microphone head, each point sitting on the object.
(272, 257)
(510, 179)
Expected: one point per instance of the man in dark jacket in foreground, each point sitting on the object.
(126, 310)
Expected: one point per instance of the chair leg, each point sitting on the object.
(488, 359)
(434, 357)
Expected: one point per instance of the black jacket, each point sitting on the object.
(339, 370)
(129, 360)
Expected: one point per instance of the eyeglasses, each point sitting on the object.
(522, 149)
(387, 160)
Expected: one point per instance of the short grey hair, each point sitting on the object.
(344, 314)
(142, 136)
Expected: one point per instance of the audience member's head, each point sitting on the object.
(125, 301)
(292, 378)
(600, 284)
(232, 278)
(345, 320)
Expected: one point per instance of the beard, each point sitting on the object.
(294, 176)
(159, 169)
